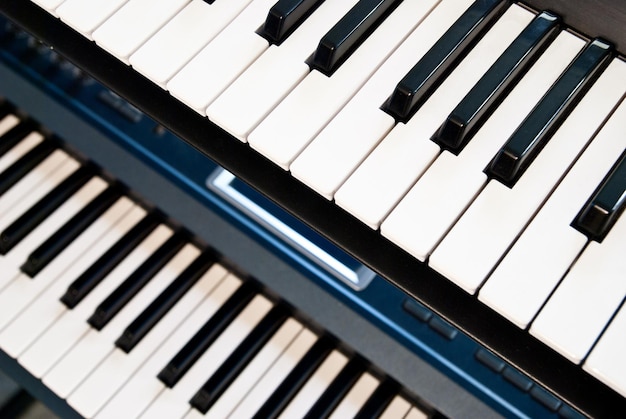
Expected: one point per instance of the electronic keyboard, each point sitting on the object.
(445, 144)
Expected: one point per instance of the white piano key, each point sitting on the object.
(86, 15)
(49, 5)
(316, 385)
(585, 300)
(254, 371)
(308, 108)
(144, 387)
(135, 22)
(416, 413)
(20, 149)
(606, 361)
(41, 190)
(270, 78)
(356, 397)
(499, 214)
(200, 81)
(398, 408)
(85, 356)
(451, 182)
(16, 256)
(46, 307)
(72, 326)
(119, 366)
(182, 37)
(359, 127)
(517, 289)
(174, 402)
(275, 375)
(23, 289)
(8, 122)
(407, 151)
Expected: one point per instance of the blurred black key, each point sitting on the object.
(16, 134)
(495, 85)
(605, 205)
(378, 401)
(442, 58)
(207, 334)
(89, 279)
(285, 16)
(135, 282)
(152, 314)
(25, 164)
(291, 385)
(39, 212)
(239, 358)
(350, 32)
(539, 126)
(5, 109)
(338, 389)
(60, 239)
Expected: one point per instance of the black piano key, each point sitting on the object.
(351, 30)
(16, 134)
(89, 279)
(25, 164)
(61, 238)
(30, 219)
(239, 358)
(378, 401)
(135, 282)
(207, 334)
(492, 88)
(606, 204)
(338, 389)
(291, 385)
(152, 314)
(419, 83)
(533, 133)
(285, 16)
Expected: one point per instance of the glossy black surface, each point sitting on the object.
(24, 165)
(284, 17)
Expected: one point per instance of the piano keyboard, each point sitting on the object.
(369, 131)
(131, 317)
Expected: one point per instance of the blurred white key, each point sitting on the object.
(361, 125)
(182, 37)
(416, 413)
(33, 196)
(18, 254)
(174, 402)
(255, 370)
(316, 385)
(8, 122)
(517, 289)
(398, 408)
(200, 81)
(20, 149)
(585, 300)
(451, 182)
(144, 387)
(133, 24)
(308, 108)
(258, 90)
(499, 214)
(23, 289)
(72, 326)
(119, 366)
(86, 15)
(49, 5)
(356, 397)
(606, 361)
(275, 375)
(394, 166)
(46, 308)
(85, 356)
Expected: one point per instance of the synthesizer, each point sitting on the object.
(471, 153)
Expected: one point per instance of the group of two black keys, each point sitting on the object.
(523, 146)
